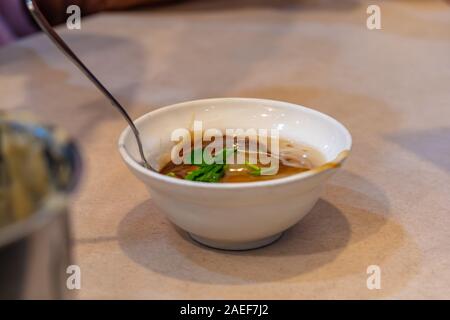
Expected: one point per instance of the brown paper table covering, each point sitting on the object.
(389, 206)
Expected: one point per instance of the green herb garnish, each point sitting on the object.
(210, 172)
(253, 169)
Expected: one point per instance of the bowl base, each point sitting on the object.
(235, 246)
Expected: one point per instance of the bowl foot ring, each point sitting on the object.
(236, 246)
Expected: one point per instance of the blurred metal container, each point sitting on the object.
(39, 166)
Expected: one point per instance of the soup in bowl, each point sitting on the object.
(264, 173)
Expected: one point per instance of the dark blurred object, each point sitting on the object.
(55, 10)
(15, 21)
(39, 165)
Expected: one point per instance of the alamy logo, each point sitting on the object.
(374, 20)
(74, 278)
(234, 146)
(74, 20)
(374, 279)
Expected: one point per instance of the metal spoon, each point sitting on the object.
(64, 48)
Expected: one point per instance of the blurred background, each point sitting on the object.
(15, 21)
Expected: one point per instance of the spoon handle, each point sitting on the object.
(64, 48)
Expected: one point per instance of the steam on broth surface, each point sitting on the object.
(292, 158)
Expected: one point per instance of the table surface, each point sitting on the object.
(389, 206)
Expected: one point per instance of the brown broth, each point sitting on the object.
(294, 159)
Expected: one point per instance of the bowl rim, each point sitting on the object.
(231, 185)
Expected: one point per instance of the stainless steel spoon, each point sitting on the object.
(56, 39)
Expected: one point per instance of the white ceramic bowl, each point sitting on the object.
(236, 216)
